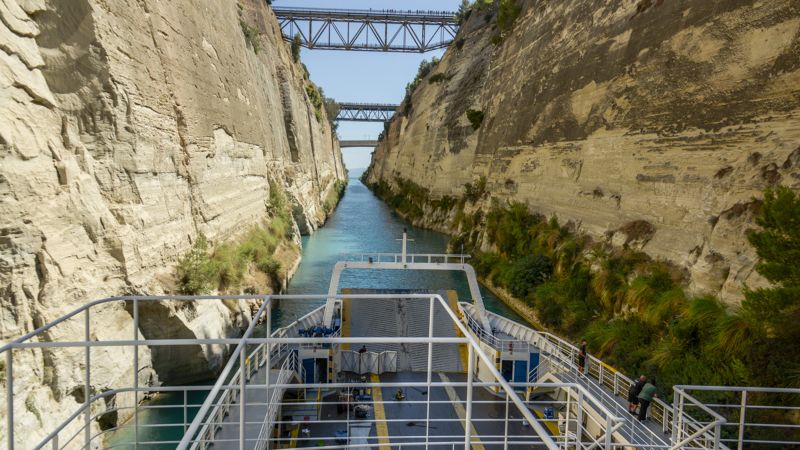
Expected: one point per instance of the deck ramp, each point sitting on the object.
(405, 318)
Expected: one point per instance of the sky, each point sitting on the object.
(369, 77)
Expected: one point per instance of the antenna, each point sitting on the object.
(405, 240)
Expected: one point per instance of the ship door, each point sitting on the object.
(308, 368)
(520, 374)
(507, 369)
(321, 375)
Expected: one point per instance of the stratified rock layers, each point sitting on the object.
(619, 115)
(126, 128)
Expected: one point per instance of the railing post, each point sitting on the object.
(742, 412)
(430, 371)
(268, 361)
(136, 373)
(185, 410)
(505, 430)
(608, 433)
(55, 442)
(600, 373)
(87, 418)
(242, 396)
(10, 396)
(579, 418)
(677, 416)
(468, 420)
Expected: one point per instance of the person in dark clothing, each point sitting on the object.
(645, 397)
(633, 393)
(582, 357)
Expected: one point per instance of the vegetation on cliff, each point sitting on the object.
(334, 195)
(223, 268)
(632, 309)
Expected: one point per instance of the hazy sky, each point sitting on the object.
(372, 77)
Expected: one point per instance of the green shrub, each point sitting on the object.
(475, 118)
(316, 97)
(464, 11)
(527, 273)
(438, 78)
(251, 36)
(425, 67)
(195, 272)
(269, 266)
(507, 13)
(475, 192)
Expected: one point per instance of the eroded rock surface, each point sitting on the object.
(127, 127)
(616, 114)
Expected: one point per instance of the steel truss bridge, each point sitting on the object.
(368, 30)
(366, 112)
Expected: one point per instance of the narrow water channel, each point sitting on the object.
(362, 223)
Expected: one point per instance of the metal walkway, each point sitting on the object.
(368, 30)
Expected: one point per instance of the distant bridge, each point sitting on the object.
(348, 144)
(368, 30)
(366, 112)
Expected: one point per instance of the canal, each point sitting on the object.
(362, 223)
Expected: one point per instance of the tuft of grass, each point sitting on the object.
(30, 405)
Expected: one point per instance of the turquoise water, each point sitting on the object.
(362, 223)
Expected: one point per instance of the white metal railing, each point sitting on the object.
(559, 355)
(587, 403)
(490, 338)
(288, 368)
(736, 417)
(228, 392)
(430, 258)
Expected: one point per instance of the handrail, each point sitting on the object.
(231, 362)
(364, 12)
(289, 366)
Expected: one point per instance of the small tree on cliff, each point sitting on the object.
(296, 44)
(195, 272)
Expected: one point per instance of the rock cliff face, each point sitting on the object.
(127, 128)
(619, 116)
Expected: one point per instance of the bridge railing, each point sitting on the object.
(603, 374)
(364, 13)
(429, 258)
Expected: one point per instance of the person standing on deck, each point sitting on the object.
(633, 394)
(582, 357)
(645, 397)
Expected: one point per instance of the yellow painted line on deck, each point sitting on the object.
(549, 424)
(346, 318)
(381, 426)
(452, 300)
(461, 412)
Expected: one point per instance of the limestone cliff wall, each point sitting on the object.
(614, 113)
(127, 127)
